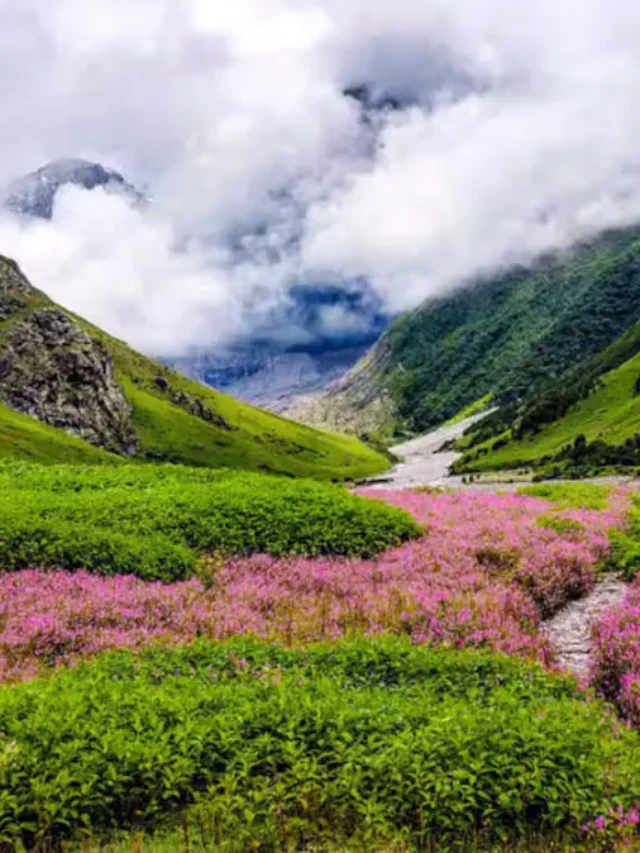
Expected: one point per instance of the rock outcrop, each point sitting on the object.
(356, 402)
(51, 369)
(14, 289)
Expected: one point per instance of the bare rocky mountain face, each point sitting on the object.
(52, 370)
(35, 194)
(275, 380)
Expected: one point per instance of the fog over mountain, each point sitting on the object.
(384, 150)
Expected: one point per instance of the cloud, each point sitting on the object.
(519, 135)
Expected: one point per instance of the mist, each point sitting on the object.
(515, 133)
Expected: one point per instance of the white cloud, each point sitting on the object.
(522, 137)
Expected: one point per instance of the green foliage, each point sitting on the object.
(27, 439)
(154, 521)
(476, 408)
(234, 435)
(625, 546)
(512, 335)
(625, 554)
(600, 431)
(194, 829)
(275, 750)
(563, 526)
(255, 440)
(571, 495)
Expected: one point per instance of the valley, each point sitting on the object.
(320, 426)
(207, 646)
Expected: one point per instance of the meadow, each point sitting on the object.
(381, 680)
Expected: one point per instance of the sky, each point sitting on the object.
(518, 134)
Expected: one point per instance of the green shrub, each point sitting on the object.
(571, 495)
(625, 555)
(278, 750)
(155, 522)
(625, 545)
(563, 526)
(24, 545)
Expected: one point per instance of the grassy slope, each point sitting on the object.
(257, 440)
(476, 408)
(251, 440)
(511, 334)
(25, 438)
(610, 414)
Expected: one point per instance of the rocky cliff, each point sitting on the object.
(52, 370)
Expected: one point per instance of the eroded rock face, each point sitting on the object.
(52, 370)
(14, 289)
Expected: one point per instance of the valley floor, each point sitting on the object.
(316, 670)
(425, 463)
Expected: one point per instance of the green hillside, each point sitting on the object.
(22, 437)
(589, 417)
(70, 392)
(508, 336)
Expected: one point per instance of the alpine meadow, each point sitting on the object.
(319, 426)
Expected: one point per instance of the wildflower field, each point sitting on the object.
(397, 691)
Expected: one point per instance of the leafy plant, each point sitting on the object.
(276, 750)
(154, 522)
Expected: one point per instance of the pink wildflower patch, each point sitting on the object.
(486, 572)
(616, 661)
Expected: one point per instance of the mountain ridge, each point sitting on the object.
(507, 336)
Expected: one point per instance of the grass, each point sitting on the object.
(476, 408)
(241, 436)
(590, 496)
(24, 438)
(156, 521)
(257, 441)
(610, 414)
(379, 744)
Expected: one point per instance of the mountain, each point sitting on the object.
(298, 349)
(35, 193)
(505, 338)
(315, 335)
(67, 386)
(270, 378)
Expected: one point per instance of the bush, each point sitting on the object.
(107, 552)
(625, 545)
(283, 750)
(154, 522)
(590, 496)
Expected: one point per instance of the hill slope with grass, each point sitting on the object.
(70, 392)
(586, 421)
(506, 337)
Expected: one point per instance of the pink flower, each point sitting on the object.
(484, 575)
